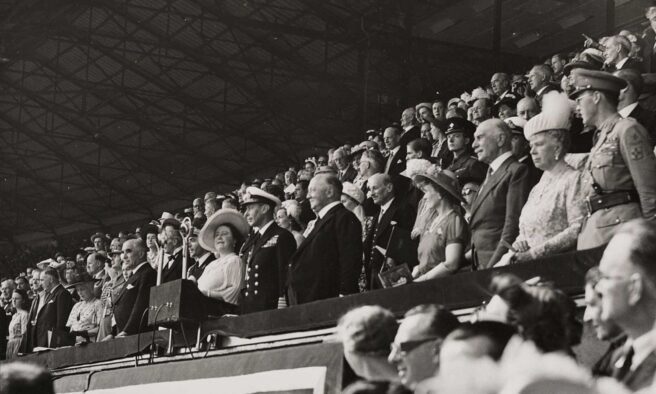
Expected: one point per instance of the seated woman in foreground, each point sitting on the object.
(221, 282)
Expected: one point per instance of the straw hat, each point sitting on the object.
(445, 179)
(221, 217)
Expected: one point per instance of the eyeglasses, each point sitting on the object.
(406, 347)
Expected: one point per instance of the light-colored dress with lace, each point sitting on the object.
(552, 216)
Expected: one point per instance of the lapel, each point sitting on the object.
(496, 177)
(386, 219)
(48, 298)
(317, 226)
(133, 278)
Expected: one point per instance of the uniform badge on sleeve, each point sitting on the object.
(636, 152)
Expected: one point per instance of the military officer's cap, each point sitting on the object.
(584, 80)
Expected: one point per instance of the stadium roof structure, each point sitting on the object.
(112, 111)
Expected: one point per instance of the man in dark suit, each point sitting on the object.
(629, 106)
(391, 209)
(50, 329)
(396, 157)
(345, 171)
(329, 261)
(133, 298)
(411, 130)
(172, 264)
(521, 149)
(266, 253)
(539, 78)
(495, 211)
(627, 286)
(649, 38)
(616, 55)
(301, 196)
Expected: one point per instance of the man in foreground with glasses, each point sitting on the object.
(627, 286)
(417, 343)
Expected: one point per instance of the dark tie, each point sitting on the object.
(621, 372)
(256, 238)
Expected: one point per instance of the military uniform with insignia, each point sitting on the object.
(621, 168)
(465, 167)
(266, 255)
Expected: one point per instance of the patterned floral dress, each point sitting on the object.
(552, 216)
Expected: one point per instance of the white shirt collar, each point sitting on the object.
(626, 111)
(393, 151)
(619, 64)
(264, 228)
(386, 206)
(408, 127)
(134, 271)
(203, 258)
(327, 208)
(541, 90)
(642, 348)
(496, 163)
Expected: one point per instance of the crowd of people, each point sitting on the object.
(521, 340)
(532, 166)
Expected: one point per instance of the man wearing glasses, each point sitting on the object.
(627, 286)
(417, 343)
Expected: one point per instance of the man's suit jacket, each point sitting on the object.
(306, 212)
(349, 174)
(410, 135)
(534, 173)
(53, 317)
(643, 375)
(495, 212)
(329, 261)
(397, 164)
(267, 262)
(379, 234)
(174, 271)
(646, 118)
(648, 55)
(133, 299)
(629, 63)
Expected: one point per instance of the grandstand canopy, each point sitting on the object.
(112, 111)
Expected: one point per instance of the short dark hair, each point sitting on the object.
(633, 77)
(421, 145)
(303, 184)
(498, 333)
(25, 378)
(643, 246)
(52, 273)
(441, 320)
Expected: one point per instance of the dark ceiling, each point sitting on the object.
(112, 111)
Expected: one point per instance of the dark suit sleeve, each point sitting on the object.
(141, 302)
(285, 250)
(518, 189)
(349, 253)
(64, 307)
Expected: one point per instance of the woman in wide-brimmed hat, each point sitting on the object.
(223, 234)
(86, 315)
(443, 240)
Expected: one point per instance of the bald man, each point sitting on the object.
(527, 108)
(390, 210)
(329, 261)
(495, 211)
